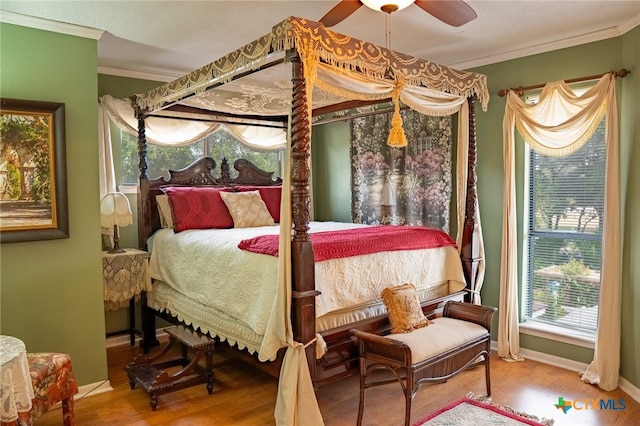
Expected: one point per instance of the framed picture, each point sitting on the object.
(33, 175)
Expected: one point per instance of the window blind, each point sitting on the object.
(565, 218)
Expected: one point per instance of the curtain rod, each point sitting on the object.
(622, 72)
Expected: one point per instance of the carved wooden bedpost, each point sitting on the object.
(144, 224)
(148, 322)
(470, 252)
(303, 309)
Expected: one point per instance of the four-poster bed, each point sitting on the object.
(324, 72)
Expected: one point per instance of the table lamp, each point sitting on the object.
(115, 211)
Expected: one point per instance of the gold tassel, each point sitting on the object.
(397, 138)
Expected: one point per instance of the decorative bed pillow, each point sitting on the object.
(164, 211)
(198, 208)
(403, 307)
(271, 195)
(247, 209)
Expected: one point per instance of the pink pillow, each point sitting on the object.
(271, 195)
(198, 208)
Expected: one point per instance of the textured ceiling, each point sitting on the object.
(168, 38)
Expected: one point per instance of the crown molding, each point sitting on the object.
(591, 37)
(630, 23)
(142, 75)
(48, 25)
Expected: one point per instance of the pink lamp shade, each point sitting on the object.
(115, 211)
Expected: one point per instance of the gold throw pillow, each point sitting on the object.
(403, 308)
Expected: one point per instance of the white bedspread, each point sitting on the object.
(231, 293)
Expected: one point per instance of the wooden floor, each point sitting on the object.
(244, 395)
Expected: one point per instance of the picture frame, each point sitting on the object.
(33, 172)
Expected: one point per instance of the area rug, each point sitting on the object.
(479, 411)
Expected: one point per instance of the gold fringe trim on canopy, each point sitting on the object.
(313, 42)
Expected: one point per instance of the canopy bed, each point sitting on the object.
(279, 82)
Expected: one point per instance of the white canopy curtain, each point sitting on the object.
(559, 124)
(178, 132)
(341, 82)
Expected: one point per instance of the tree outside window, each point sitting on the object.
(565, 219)
(219, 145)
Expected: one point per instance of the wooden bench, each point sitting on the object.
(454, 342)
(149, 371)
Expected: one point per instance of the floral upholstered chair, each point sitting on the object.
(53, 381)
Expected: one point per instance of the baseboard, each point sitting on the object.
(88, 390)
(629, 388)
(120, 340)
(571, 365)
(125, 339)
(93, 389)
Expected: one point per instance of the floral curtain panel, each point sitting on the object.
(402, 186)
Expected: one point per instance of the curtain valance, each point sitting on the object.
(561, 121)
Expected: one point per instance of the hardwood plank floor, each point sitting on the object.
(244, 395)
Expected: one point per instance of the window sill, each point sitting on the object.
(127, 188)
(558, 334)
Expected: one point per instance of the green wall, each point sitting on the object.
(630, 174)
(331, 142)
(51, 291)
(331, 169)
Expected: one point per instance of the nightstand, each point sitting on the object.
(125, 276)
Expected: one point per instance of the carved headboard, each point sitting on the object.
(201, 172)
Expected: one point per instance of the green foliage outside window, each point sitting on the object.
(566, 210)
(218, 146)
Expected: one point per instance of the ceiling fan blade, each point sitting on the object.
(340, 12)
(453, 12)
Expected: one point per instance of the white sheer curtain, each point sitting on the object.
(179, 132)
(559, 124)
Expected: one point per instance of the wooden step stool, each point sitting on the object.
(148, 371)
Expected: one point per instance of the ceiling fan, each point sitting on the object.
(452, 12)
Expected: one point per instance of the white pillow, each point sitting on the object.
(247, 209)
(164, 210)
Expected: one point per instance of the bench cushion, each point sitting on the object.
(444, 334)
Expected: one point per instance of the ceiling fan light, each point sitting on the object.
(378, 5)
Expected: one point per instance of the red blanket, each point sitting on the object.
(358, 241)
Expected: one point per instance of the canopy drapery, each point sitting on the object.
(166, 131)
(336, 68)
(315, 44)
(559, 124)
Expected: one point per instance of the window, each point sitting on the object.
(563, 246)
(219, 145)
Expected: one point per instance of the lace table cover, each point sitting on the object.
(125, 275)
(16, 390)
